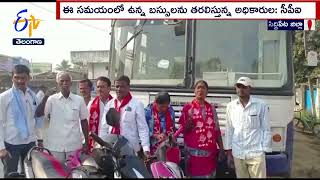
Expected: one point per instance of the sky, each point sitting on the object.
(61, 36)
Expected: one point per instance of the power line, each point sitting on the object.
(82, 23)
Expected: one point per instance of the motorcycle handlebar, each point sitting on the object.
(97, 139)
(151, 159)
(174, 136)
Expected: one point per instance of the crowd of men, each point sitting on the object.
(71, 117)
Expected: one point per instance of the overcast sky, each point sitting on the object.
(61, 36)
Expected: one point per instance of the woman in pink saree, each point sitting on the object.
(201, 134)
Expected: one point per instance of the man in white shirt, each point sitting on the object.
(18, 127)
(96, 106)
(248, 134)
(65, 110)
(40, 93)
(133, 124)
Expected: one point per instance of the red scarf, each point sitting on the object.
(202, 136)
(157, 125)
(125, 101)
(94, 119)
(205, 128)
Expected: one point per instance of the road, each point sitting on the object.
(306, 156)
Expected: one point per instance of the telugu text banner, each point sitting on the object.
(186, 10)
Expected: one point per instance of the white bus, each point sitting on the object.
(174, 54)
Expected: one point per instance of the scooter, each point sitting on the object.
(164, 164)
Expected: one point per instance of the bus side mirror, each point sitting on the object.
(179, 26)
(180, 29)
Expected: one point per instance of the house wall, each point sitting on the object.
(97, 69)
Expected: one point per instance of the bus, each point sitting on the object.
(172, 55)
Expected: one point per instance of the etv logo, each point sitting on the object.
(32, 23)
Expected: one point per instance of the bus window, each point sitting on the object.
(227, 50)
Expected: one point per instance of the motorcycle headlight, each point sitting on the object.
(90, 162)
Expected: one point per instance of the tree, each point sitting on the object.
(63, 66)
(301, 70)
(312, 40)
(305, 42)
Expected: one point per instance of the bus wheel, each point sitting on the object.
(316, 130)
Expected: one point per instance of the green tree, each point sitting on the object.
(63, 66)
(312, 41)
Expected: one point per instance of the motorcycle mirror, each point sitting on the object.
(113, 117)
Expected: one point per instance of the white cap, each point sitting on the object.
(245, 81)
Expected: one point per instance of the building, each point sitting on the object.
(96, 62)
(48, 79)
(38, 68)
(6, 65)
(8, 62)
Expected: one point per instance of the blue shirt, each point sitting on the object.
(150, 120)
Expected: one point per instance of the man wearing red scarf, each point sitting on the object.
(96, 106)
(133, 124)
(201, 134)
(160, 118)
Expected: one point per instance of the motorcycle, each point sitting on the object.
(119, 158)
(164, 164)
(40, 163)
(116, 155)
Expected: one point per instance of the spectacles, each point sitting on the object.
(241, 86)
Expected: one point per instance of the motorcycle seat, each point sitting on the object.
(45, 165)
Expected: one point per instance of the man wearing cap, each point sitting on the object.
(248, 134)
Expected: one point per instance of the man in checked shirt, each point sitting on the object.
(248, 134)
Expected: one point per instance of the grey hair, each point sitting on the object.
(61, 73)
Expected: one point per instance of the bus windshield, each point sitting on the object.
(153, 52)
(149, 52)
(227, 50)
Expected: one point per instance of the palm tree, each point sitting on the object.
(63, 66)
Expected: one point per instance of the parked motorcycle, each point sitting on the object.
(40, 163)
(117, 155)
(164, 164)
